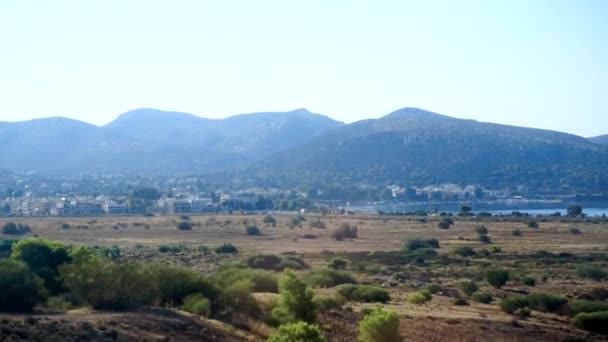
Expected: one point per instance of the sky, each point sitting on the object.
(535, 63)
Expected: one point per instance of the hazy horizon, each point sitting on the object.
(534, 64)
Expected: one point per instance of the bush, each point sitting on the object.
(184, 225)
(528, 281)
(197, 304)
(43, 257)
(467, 287)
(591, 271)
(380, 326)
(262, 281)
(443, 225)
(184, 217)
(328, 278)
(415, 244)
(327, 303)
(21, 288)
(587, 306)
(593, 321)
(6, 247)
(482, 297)
(252, 230)
(316, 223)
(497, 277)
(344, 231)
(236, 298)
(575, 231)
(269, 220)
(533, 224)
(434, 288)
(295, 300)
(517, 232)
(297, 332)
(419, 297)
(338, 263)
(464, 251)
(459, 302)
(545, 302)
(275, 262)
(226, 248)
(12, 228)
(176, 283)
(107, 284)
(485, 239)
(512, 304)
(481, 230)
(65, 225)
(363, 293)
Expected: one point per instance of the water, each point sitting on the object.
(531, 209)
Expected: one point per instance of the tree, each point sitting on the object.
(142, 200)
(295, 300)
(575, 210)
(465, 210)
(21, 288)
(297, 332)
(380, 326)
(497, 277)
(43, 257)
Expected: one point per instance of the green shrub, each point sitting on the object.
(464, 251)
(262, 281)
(184, 225)
(517, 232)
(226, 248)
(316, 223)
(107, 284)
(593, 321)
(43, 257)
(12, 228)
(497, 277)
(575, 231)
(176, 283)
(587, 306)
(6, 246)
(338, 263)
(512, 304)
(380, 326)
(434, 288)
(528, 281)
(443, 225)
(415, 244)
(345, 231)
(21, 289)
(459, 302)
(58, 304)
(363, 293)
(297, 332)
(419, 297)
(591, 271)
(253, 230)
(545, 302)
(481, 230)
(197, 304)
(236, 298)
(533, 224)
(270, 220)
(276, 263)
(494, 249)
(328, 278)
(467, 287)
(295, 300)
(327, 303)
(484, 239)
(482, 297)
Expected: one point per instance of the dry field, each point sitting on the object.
(373, 259)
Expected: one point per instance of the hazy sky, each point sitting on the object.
(530, 62)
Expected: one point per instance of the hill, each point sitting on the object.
(600, 139)
(416, 147)
(153, 141)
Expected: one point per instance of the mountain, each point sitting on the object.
(153, 141)
(600, 139)
(416, 147)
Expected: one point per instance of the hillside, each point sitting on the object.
(416, 147)
(153, 141)
(600, 139)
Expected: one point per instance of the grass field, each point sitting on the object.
(549, 254)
